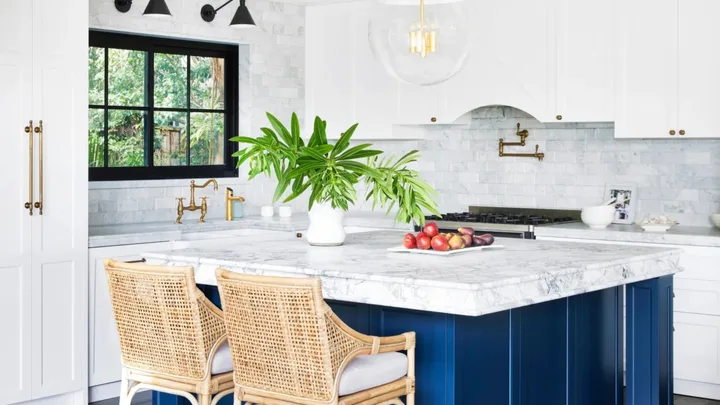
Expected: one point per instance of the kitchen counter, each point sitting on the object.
(678, 235)
(472, 283)
(541, 318)
(115, 235)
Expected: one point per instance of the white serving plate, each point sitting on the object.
(656, 227)
(402, 249)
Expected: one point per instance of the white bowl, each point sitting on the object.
(715, 219)
(598, 217)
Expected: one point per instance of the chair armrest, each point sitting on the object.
(375, 344)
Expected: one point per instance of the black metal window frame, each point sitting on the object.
(152, 45)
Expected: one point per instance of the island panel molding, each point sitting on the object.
(524, 273)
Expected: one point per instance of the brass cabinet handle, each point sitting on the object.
(672, 132)
(433, 119)
(39, 131)
(28, 130)
(682, 132)
(558, 117)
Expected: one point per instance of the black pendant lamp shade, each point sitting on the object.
(242, 17)
(157, 8)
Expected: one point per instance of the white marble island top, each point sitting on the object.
(472, 283)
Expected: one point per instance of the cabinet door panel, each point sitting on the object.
(699, 64)
(105, 363)
(646, 75)
(418, 105)
(15, 109)
(376, 97)
(329, 67)
(697, 339)
(59, 236)
(585, 60)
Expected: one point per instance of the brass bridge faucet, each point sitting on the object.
(193, 206)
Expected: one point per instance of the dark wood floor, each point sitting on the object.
(143, 398)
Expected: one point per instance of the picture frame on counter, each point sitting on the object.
(626, 200)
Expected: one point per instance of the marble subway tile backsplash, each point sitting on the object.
(677, 177)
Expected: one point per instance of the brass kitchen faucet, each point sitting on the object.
(193, 206)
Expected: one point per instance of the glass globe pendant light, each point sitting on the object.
(423, 46)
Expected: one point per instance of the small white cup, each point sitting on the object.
(267, 211)
(285, 211)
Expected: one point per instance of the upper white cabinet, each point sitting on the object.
(698, 68)
(584, 61)
(646, 75)
(43, 258)
(666, 78)
(329, 58)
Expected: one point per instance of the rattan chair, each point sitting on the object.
(172, 338)
(289, 348)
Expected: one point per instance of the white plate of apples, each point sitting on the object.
(432, 242)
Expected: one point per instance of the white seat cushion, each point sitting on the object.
(368, 371)
(222, 362)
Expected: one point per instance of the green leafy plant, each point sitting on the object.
(331, 172)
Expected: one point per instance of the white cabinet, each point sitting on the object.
(697, 355)
(584, 61)
(698, 65)
(104, 363)
(329, 58)
(43, 76)
(666, 74)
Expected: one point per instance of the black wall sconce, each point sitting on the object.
(242, 17)
(156, 8)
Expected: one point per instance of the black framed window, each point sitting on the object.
(161, 108)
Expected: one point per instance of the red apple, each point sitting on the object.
(439, 243)
(423, 241)
(431, 229)
(409, 241)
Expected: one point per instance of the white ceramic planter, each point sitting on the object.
(326, 225)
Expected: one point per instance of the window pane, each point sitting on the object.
(170, 80)
(126, 74)
(96, 76)
(207, 138)
(207, 82)
(170, 143)
(96, 137)
(126, 143)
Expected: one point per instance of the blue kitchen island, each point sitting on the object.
(538, 322)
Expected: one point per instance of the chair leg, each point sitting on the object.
(124, 389)
(410, 399)
(204, 399)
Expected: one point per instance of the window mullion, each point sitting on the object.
(106, 152)
(150, 100)
(187, 125)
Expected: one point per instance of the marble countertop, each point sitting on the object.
(678, 235)
(129, 234)
(471, 283)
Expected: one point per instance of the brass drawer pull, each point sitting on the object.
(672, 132)
(433, 119)
(28, 130)
(137, 261)
(558, 117)
(39, 131)
(682, 132)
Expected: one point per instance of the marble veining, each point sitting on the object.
(474, 283)
(679, 235)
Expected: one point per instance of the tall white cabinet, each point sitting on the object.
(43, 258)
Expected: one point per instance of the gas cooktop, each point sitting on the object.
(500, 219)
